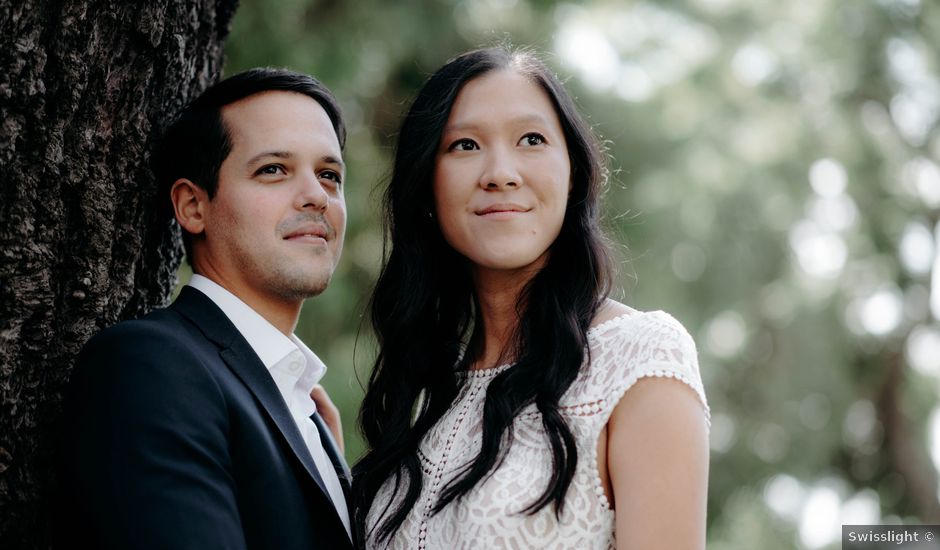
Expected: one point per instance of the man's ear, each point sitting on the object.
(189, 204)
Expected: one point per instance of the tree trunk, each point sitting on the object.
(85, 88)
(906, 453)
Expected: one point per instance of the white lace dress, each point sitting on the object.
(624, 349)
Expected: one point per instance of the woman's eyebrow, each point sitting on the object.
(516, 120)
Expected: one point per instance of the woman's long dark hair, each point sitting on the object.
(424, 304)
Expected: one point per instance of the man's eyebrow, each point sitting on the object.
(327, 159)
(276, 154)
(330, 159)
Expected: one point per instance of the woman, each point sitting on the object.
(498, 413)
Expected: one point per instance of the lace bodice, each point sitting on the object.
(623, 350)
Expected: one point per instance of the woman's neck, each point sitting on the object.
(498, 294)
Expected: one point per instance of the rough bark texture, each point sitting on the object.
(85, 87)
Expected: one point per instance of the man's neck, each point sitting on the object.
(282, 314)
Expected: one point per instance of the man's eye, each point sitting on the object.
(532, 139)
(331, 175)
(270, 170)
(464, 144)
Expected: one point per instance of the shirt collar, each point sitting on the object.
(270, 344)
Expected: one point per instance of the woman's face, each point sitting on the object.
(502, 174)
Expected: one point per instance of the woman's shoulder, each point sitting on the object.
(627, 345)
(617, 321)
(610, 311)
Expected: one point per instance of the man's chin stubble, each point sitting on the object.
(303, 289)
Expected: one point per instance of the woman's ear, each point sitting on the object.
(189, 205)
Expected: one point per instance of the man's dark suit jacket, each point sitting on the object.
(176, 437)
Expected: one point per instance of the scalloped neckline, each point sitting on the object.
(493, 371)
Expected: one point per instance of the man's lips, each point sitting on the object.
(311, 233)
(502, 208)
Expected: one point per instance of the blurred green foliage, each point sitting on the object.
(774, 185)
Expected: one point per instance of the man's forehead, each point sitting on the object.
(275, 110)
(271, 97)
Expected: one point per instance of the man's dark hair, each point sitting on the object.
(197, 143)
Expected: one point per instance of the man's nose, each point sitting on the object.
(312, 194)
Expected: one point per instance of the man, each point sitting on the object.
(193, 427)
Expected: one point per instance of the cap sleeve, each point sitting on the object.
(640, 346)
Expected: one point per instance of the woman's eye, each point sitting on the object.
(270, 170)
(532, 139)
(463, 145)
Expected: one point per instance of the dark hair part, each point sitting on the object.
(198, 141)
(424, 308)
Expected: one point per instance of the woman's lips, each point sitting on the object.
(504, 210)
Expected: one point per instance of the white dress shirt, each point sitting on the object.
(295, 370)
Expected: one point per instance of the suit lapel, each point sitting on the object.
(336, 457)
(339, 464)
(246, 365)
(244, 362)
